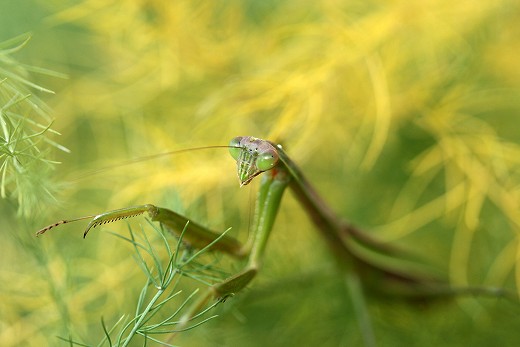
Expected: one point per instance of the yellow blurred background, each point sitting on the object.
(403, 114)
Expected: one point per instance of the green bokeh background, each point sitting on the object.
(404, 114)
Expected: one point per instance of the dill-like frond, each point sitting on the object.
(26, 134)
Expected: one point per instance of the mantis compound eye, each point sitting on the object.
(266, 160)
(234, 147)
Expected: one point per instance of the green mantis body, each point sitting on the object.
(377, 265)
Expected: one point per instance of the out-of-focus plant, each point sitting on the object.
(361, 74)
(26, 134)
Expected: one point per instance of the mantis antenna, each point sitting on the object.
(128, 212)
(145, 158)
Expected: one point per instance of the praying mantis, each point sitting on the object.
(373, 265)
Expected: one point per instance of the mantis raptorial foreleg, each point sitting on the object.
(196, 235)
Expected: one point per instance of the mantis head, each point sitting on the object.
(253, 157)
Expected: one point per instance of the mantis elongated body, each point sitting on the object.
(379, 266)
